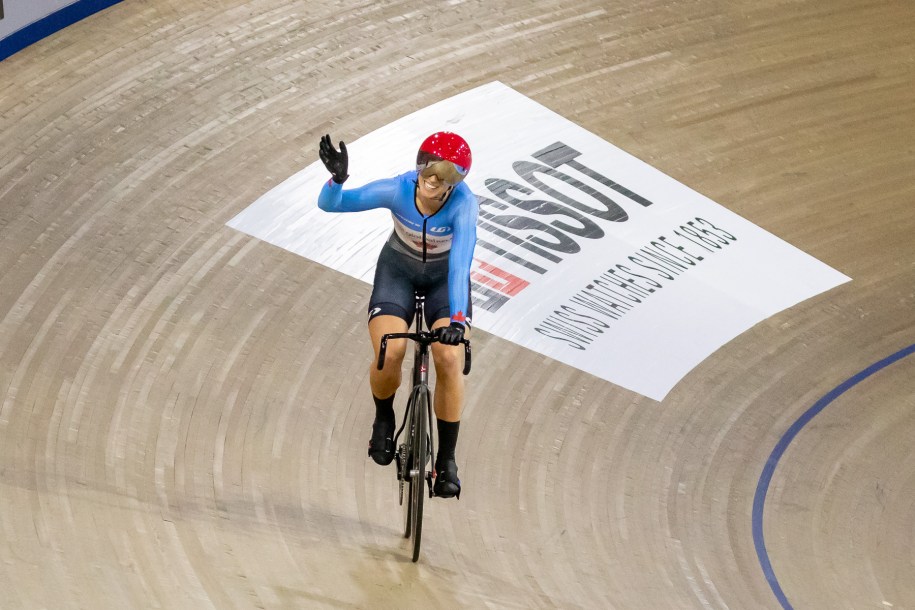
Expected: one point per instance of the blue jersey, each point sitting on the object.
(451, 232)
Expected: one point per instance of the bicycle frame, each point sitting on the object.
(413, 453)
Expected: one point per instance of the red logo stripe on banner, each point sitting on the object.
(509, 285)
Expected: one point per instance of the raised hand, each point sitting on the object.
(335, 162)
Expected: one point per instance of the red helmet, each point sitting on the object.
(446, 155)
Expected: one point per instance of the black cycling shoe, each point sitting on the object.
(381, 447)
(447, 483)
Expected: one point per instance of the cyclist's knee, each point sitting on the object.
(447, 359)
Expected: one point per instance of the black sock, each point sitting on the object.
(447, 439)
(384, 408)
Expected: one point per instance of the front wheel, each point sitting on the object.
(418, 457)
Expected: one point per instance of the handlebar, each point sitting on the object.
(426, 338)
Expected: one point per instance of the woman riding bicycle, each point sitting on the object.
(430, 249)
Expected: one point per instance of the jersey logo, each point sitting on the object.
(406, 222)
(374, 312)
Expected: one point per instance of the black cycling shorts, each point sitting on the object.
(398, 276)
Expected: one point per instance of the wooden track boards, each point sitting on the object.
(184, 410)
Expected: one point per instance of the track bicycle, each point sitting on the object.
(417, 448)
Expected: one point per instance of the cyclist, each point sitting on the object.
(430, 248)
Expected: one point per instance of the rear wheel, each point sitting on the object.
(406, 465)
(403, 465)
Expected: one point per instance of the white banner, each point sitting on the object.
(584, 253)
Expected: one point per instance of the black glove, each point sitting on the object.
(450, 335)
(335, 162)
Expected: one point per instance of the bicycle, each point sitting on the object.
(417, 449)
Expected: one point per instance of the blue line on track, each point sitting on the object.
(762, 488)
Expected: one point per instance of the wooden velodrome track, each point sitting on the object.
(184, 409)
